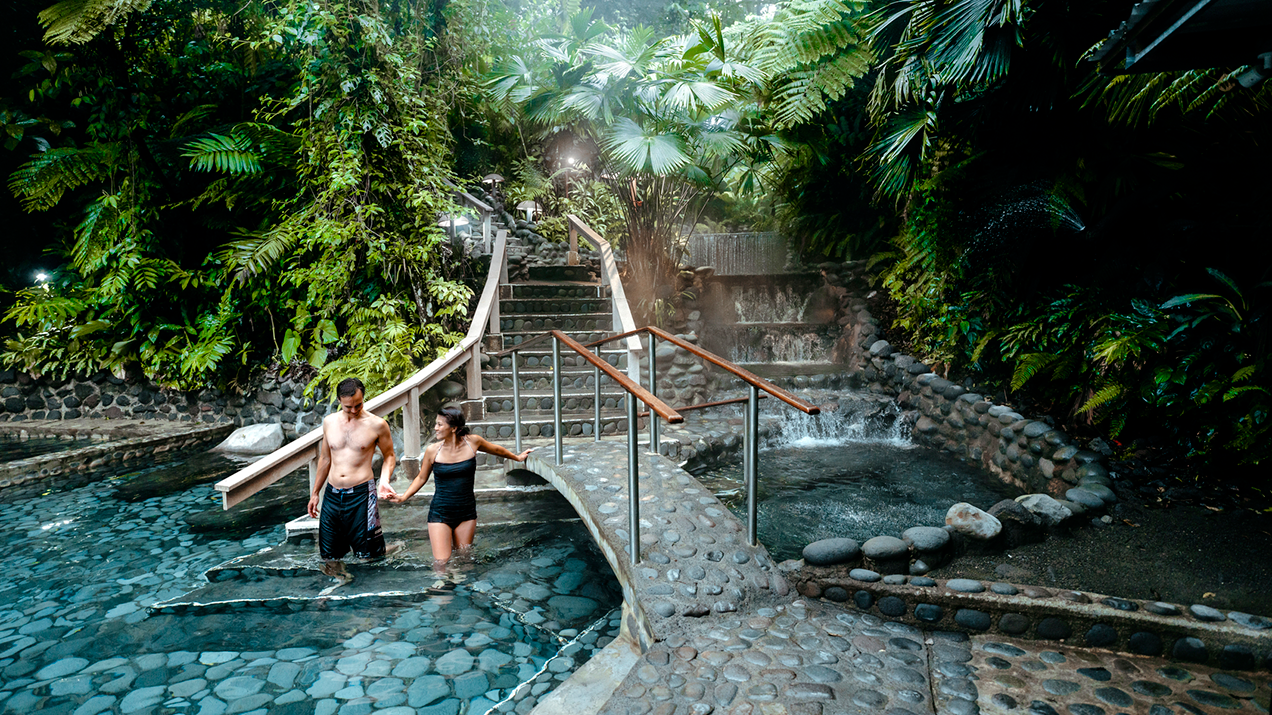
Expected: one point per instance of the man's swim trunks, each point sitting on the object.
(350, 519)
(453, 500)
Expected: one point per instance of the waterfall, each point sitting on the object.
(780, 343)
(770, 303)
(733, 254)
(858, 422)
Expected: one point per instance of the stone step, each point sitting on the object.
(537, 401)
(553, 306)
(499, 382)
(542, 290)
(560, 273)
(542, 425)
(513, 338)
(540, 356)
(589, 322)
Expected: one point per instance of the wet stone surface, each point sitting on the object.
(85, 567)
(1090, 682)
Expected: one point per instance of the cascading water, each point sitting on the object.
(851, 471)
(732, 254)
(781, 343)
(858, 423)
(770, 303)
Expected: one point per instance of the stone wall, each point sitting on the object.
(1029, 454)
(105, 396)
(96, 461)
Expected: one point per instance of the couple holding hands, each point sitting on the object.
(350, 518)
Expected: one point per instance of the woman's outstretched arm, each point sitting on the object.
(482, 444)
(426, 470)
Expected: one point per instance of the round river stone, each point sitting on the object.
(927, 538)
(829, 552)
(885, 548)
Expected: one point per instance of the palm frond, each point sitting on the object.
(231, 154)
(78, 21)
(42, 181)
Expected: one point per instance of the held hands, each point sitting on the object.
(386, 492)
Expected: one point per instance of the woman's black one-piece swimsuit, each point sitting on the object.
(453, 501)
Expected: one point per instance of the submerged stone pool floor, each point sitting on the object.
(78, 632)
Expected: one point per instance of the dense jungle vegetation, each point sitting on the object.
(215, 189)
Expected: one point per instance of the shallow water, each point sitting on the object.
(13, 448)
(82, 567)
(854, 474)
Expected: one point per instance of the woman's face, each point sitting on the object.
(442, 428)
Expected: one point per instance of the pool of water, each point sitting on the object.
(13, 447)
(84, 565)
(850, 474)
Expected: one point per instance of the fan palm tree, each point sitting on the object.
(670, 117)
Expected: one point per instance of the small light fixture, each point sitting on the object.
(571, 160)
(41, 277)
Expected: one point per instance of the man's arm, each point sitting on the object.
(324, 468)
(385, 443)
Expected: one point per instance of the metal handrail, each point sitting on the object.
(304, 449)
(634, 391)
(751, 439)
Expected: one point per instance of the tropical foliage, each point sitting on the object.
(240, 188)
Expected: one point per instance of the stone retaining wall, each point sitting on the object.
(98, 460)
(1026, 453)
(105, 396)
(1197, 634)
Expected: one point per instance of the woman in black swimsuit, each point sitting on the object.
(452, 515)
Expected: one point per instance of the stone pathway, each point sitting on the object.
(722, 630)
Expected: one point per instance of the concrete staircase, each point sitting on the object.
(554, 297)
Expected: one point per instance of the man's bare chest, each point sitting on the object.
(357, 437)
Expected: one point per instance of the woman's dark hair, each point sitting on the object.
(455, 419)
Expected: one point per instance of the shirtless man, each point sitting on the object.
(350, 503)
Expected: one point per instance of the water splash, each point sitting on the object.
(781, 345)
(770, 303)
(855, 423)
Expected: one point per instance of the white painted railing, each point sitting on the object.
(623, 322)
(406, 395)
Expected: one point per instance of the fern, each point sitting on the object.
(1102, 397)
(1030, 365)
(78, 21)
(42, 182)
(231, 154)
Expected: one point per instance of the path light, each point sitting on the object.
(531, 208)
(492, 179)
(41, 277)
(449, 223)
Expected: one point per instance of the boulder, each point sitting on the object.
(926, 539)
(253, 439)
(829, 552)
(972, 522)
(1020, 526)
(1044, 507)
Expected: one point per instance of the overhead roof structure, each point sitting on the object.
(1163, 35)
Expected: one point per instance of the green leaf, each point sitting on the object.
(291, 343)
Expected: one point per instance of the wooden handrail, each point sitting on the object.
(720, 362)
(658, 406)
(271, 468)
(705, 405)
(524, 345)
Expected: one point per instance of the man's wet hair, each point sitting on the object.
(349, 387)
